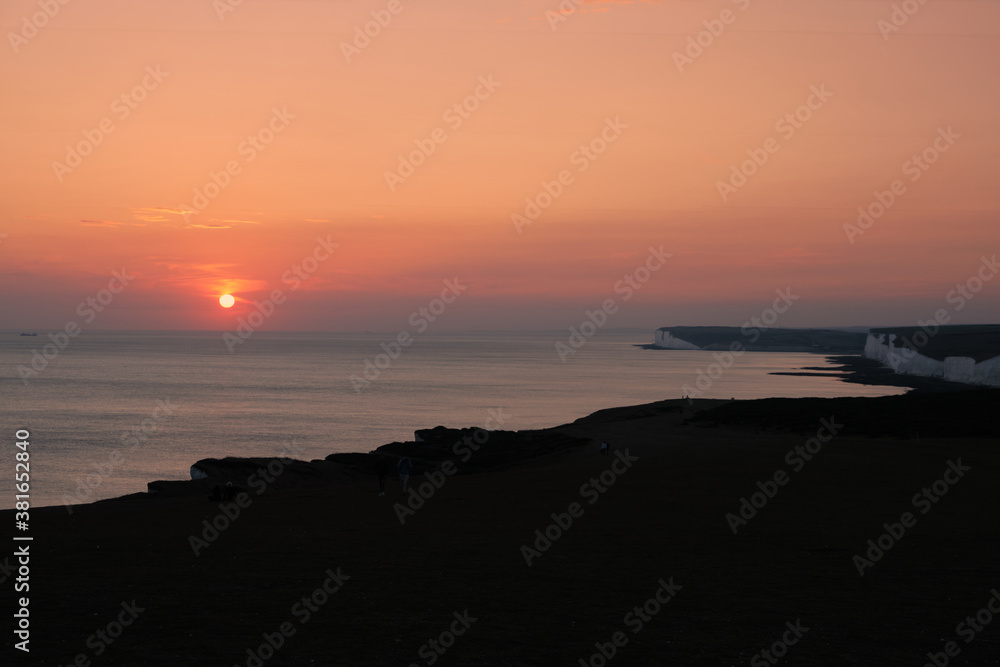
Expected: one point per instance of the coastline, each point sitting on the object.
(350, 467)
(857, 369)
(854, 368)
(509, 449)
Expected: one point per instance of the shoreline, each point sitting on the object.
(511, 448)
(854, 368)
(857, 369)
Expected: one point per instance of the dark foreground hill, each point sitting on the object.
(823, 532)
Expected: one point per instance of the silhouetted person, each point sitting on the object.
(403, 467)
(604, 448)
(382, 469)
(229, 491)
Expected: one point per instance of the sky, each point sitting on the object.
(536, 153)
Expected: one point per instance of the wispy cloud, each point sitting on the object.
(101, 223)
(155, 213)
(207, 225)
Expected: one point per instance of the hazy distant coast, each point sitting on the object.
(917, 356)
(757, 339)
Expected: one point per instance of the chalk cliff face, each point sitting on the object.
(883, 348)
(663, 338)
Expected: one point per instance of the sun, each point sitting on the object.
(227, 300)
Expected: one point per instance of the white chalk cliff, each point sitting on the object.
(882, 348)
(663, 338)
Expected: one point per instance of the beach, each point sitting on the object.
(648, 553)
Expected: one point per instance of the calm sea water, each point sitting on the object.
(277, 388)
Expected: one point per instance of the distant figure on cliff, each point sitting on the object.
(403, 467)
(604, 448)
(382, 469)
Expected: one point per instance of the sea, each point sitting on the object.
(112, 411)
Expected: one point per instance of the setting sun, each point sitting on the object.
(227, 300)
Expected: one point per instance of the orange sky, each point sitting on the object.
(557, 84)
